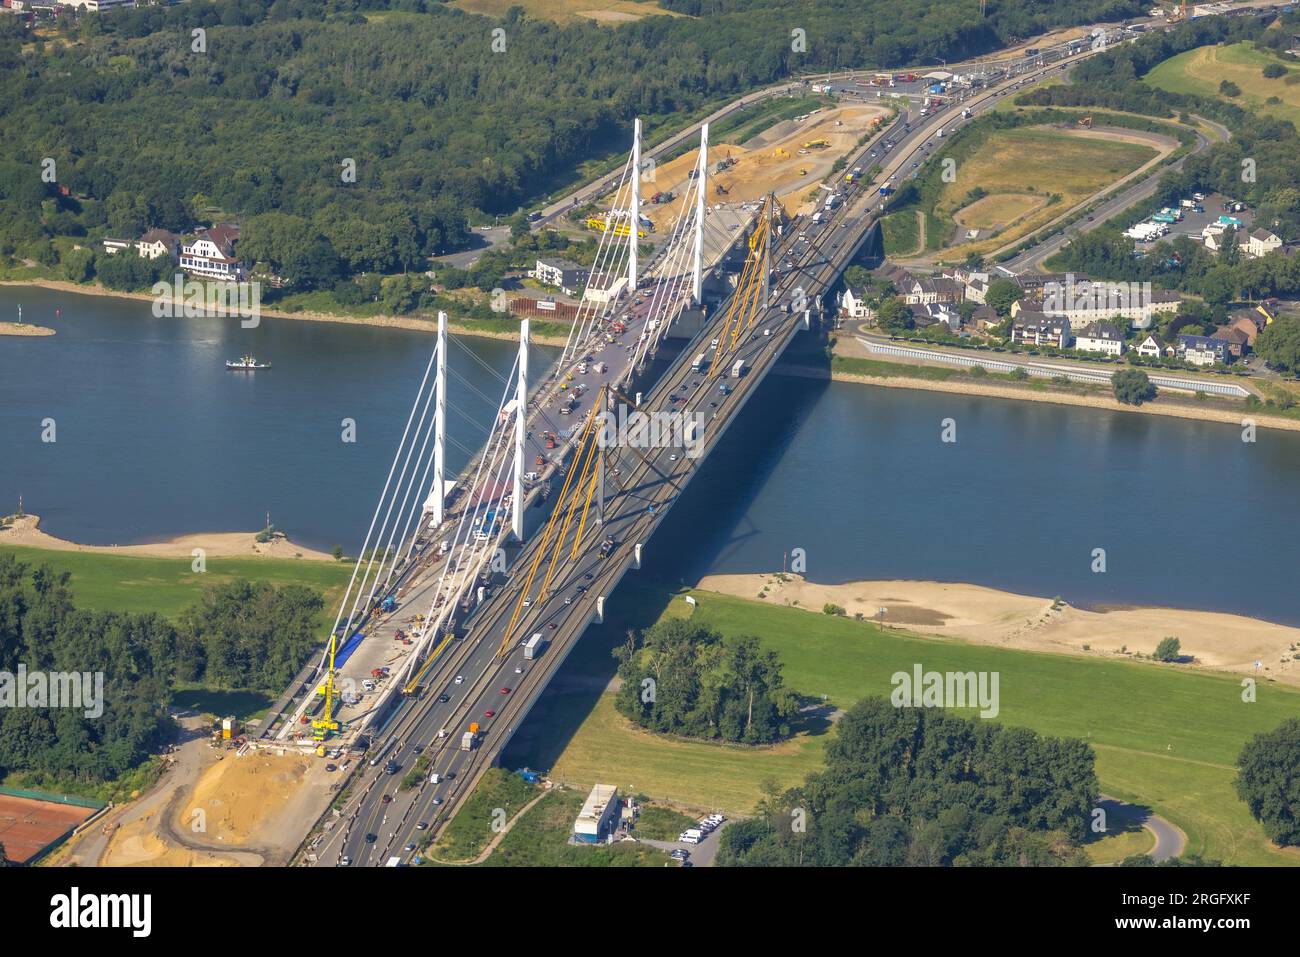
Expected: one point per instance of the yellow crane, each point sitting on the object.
(325, 725)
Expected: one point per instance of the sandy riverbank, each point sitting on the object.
(25, 329)
(1217, 641)
(390, 322)
(25, 531)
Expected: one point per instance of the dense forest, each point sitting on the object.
(918, 786)
(1259, 165)
(238, 636)
(149, 125)
(684, 678)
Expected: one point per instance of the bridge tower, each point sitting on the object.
(521, 418)
(634, 220)
(701, 202)
(439, 493)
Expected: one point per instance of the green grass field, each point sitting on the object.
(1164, 738)
(1200, 72)
(540, 839)
(166, 585)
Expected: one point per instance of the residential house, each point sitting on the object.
(1261, 242)
(852, 306)
(563, 274)
(1100, 336)
(1203, 350)
(983, 319)
(1035, 328)
(975, 285)
(211, 254)
(155, 244)
(923, 292)
(1150, 348)
(937, 313)
(1238, 341)
(1084, 301)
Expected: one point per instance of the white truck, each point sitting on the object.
(817, 216)
(468, 741)
(738, 369)
(534, 645)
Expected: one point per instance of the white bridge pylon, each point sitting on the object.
(617, 273)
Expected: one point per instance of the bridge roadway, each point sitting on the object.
(370, 830)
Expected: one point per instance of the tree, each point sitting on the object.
(1279, 344)
(894, 316)
(1228, 88)
(1001, 294)
(1269, 781)
(1132, 386)
(1168, 650)
(1274, 70)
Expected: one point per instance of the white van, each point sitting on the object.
(690, 837)
(435, 778)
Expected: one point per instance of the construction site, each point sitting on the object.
(788, 159)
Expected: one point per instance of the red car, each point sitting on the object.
(489, 714)
(505, 690)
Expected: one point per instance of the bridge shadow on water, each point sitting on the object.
(707, 523)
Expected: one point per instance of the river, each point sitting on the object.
(156, 439)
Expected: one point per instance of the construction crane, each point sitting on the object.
(325, 725)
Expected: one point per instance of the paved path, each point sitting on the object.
(1170, 841)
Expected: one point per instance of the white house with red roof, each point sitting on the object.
(211, 254)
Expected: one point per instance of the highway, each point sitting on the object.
(469, 682)
(379, 821)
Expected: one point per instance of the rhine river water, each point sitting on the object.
(156, 439)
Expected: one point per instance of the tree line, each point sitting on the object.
(239, 635)
(267, 117)
(921, 787)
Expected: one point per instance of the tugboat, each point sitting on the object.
(246, 364)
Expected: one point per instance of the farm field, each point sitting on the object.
(1200, 72)
(1163, 738)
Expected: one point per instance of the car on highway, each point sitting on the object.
(489, 714)
(505, 690)
(554, 626)
(423, 825)
(444, 698)
(460, 679)
(568, 599)
(519, 669)
(386, 799)
(371, 838)
(409, 847)
(588, 577)
(345, 861)
(437, 801)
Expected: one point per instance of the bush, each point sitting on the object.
(1274, 70)
(1132, 386)
(1228, 88)
(1168, 650)
(830, 608)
